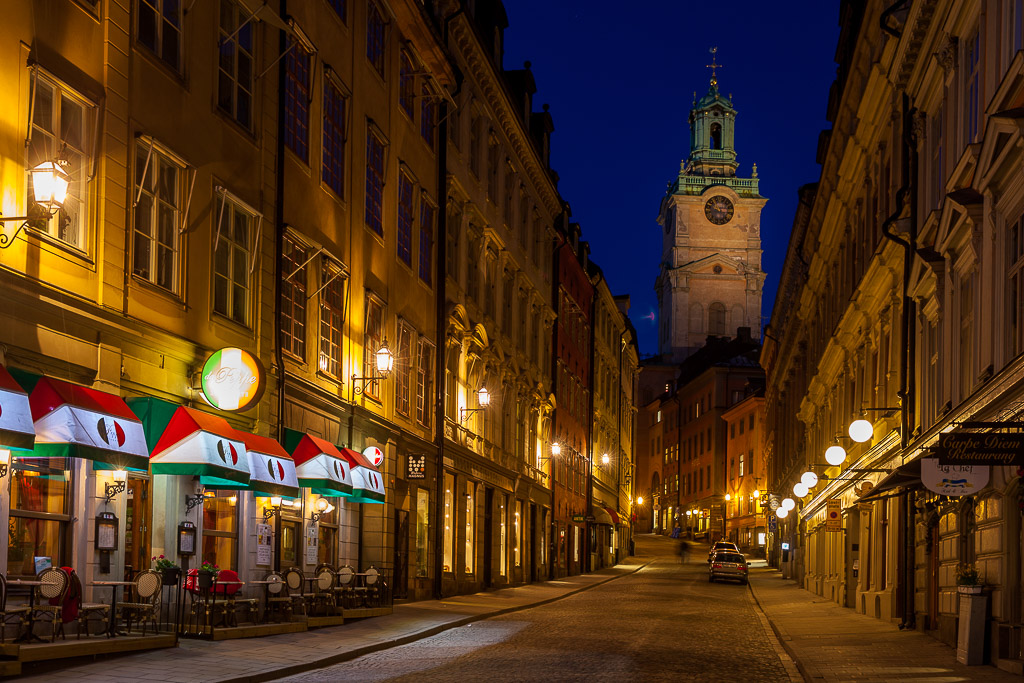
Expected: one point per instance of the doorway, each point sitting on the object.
(137, 524)
(401, 582)
(533, 542)
(291, 536)
(488, 575)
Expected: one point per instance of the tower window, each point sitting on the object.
(716, 319)
(716, 136)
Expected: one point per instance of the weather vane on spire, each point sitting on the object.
(714, 65)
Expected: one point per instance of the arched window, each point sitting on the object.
(716, 318)
(716, 136)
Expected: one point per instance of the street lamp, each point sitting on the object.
(861, 430)
(809, 479)
(120, 482)
(605, 459)
(835, 455)
(50, 182)
(384, 360)
(272, 509)
(321, 507)
(483, 398)
(800, 489)
(788, 504)
(781, 513)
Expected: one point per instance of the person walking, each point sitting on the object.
(683, 550)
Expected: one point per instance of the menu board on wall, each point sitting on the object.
(311, 538)
(263, 547)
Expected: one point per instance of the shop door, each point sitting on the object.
(852, 558)
(138, 511)
(933, 575)
(291, 538)
(488, 536)
(401, 582)
(533, 542)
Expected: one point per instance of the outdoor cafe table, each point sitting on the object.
(28, 636)
(266, 596)
(111, 629)
(215, 589)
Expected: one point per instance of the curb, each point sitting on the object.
(794, 668)
(412, 637)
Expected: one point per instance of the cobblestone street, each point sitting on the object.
(663, 623)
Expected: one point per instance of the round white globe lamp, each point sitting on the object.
(835, 455)
(809, 479)
(781, 513)
(800, 489)
(861, 430)
(788, 503)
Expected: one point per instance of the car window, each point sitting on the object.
(729, 557)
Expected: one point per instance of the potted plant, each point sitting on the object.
(207, 570)
(968, 579)
(170, 572)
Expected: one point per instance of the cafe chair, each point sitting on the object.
(8, 612)
(227, 601)
(50, 598)
(368, 589)
(344, 586)
(86, 610)
(295, 583)
(277, 598)
(145, 600)
(323, 593)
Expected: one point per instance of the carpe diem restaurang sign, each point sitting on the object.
(991, 448)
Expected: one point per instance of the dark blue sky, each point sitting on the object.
(620, 79)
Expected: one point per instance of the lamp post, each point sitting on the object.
(50, 182)
(483, 398)
(384, 361)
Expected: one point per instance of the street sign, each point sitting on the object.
(773, 524)
(834, 515)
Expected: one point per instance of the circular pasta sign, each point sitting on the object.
(233, 379)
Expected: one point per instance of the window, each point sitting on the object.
(449, 522)
(425, 383)
(972, 93)
(423, 532)
(452, 246)
(517, 535)
(936, 169)
(716, 318)
(61, 123)
(428, 115)
(340, 7)
(716, 136)
(493, 153)
(474, 145)
(373, 336)
(966, 333)
(742, 463)
(375, 38)
(235, 74)
(155, 241)
(741, 426)
(403, 369)
(750, 422)
(405, 209)
(427, 212)
(327, 536)
(503, 513)
(509, 192)
(220, 530)
(335, 136)
(296, 99)
(40, 503)
(160, 29)
(732, 431)
(293, 299)
(374, 183)
(1015, 295)
(470, 519)
(232, 260)
(406, 84)
(332, 317)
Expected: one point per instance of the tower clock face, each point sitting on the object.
(718, 210)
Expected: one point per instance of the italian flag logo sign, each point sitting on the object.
(321, 468)
(199, 444)
(271, 469)
(367, 482)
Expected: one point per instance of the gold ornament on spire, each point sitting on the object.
(714, 65)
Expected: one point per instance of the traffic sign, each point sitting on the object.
(834, 515)
(773, 523)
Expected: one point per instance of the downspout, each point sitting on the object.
(441, 320)
(279, 259)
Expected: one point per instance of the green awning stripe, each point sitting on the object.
(202, 470)
(114, 459)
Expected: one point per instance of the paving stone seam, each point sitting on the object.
(786, 654)
(410, 638)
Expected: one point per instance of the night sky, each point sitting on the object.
(620, 79)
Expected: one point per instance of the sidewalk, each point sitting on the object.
(261, 659)
(833, 643)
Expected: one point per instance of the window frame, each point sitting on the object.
(294, 286)
(405, 212)
(373, 207)
(331, 317)
(234, 36)
(404, 367)
(232, 536)
(427, 230)
(334, 135)
(298, 96)
(373, 303)
(376, 38)
(158, 156)
(425, 359)
(226, 198)
(157, 49)
(63, 519)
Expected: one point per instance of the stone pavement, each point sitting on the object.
(262, 659)
(833, 643)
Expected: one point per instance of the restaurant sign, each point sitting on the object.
(233, 379)
(991, 448)
(416, 466)
(953, 480)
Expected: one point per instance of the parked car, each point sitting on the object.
(728, 565)
(722, 545)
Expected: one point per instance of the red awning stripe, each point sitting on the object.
(50, 394)
(613, 514)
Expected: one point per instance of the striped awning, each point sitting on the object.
(203, 445)
(16, 430)
(321, 468)
(271, 469)
(75, 421)
(367, 482)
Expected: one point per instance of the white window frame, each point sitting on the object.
(154, 157)
(226, 207)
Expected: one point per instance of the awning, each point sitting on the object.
(367, 482)
(908, 474)
(75, 421)
(16, 431)
(601, 516)
(204, 445)
(321, 468)
(613, 514)
(271, 468)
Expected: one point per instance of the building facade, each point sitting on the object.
(746, 522)
(899, 304)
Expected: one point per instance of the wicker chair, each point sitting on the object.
(50, 598)
(86, 609)
(368, 590)
(344, 587)
(278, 599)
(323, 589)
(7, 611)
(145, 600)
(295, 583)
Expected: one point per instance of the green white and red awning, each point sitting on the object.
(271, 469)
(367, 482)
(321, 468)
(204, 445)
(16, 430)
(75, 421)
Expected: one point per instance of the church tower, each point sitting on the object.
(710, 279)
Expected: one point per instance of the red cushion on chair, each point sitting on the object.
(227, 575)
